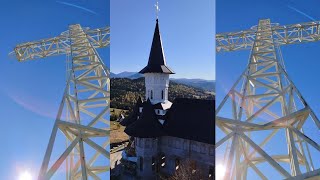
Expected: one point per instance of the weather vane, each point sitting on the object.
(157, 8)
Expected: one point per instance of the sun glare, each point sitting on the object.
(220, 172)
(25, 176)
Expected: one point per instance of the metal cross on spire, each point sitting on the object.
(157, 8)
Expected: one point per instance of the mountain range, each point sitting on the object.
(126, 91)
(208, 85)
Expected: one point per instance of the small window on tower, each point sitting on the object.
(162, 95)
(151, 94)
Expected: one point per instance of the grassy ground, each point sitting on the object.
(117, 131)
(118, 111)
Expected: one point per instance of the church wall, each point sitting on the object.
(173, 147)
(146, 148)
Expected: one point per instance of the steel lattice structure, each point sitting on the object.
(267, 126)
(83, 116)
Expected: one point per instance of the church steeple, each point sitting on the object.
(156, 73)
(157, 62)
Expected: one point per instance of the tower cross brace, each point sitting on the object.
(267, 127)
(83, 115)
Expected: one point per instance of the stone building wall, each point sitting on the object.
(201, 154)
(146, 150)
(171, 151)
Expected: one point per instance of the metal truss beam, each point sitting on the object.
(289, 34)
(263, 103)
(83, 115)
(60, 45)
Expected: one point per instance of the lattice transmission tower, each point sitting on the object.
(83, 115)
(268, 131)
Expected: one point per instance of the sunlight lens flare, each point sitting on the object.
(25, 176)
(220, 172)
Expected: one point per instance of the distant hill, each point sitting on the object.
(135, 76)
(208, 85)
(126, 91)
(124, 74)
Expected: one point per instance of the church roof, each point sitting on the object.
(157, 62)
(134, 115)
(147, 125)
(192, 119)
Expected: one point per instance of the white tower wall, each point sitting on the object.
(157, 85)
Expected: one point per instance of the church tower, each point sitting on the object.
(157, 72)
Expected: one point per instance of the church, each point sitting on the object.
(164, 135)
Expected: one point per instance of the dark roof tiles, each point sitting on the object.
(192, 119)
(147, 126)
(134, 115)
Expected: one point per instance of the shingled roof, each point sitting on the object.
(134, 115)
(157, 62)
(192, 119)
(147, 125)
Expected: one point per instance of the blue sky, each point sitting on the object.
(301, 60)
(30, 92)
(187, 29)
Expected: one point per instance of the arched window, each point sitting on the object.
(162, 95)
(153, 163)
(211, 172)
(177, 163)
(151, 94)
(193, 167)
(141, 163)
(162, 160)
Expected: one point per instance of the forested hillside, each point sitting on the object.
(126, 91)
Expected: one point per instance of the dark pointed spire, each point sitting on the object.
(157, 62)
(148, 101)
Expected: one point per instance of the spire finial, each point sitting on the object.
(157, 8)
